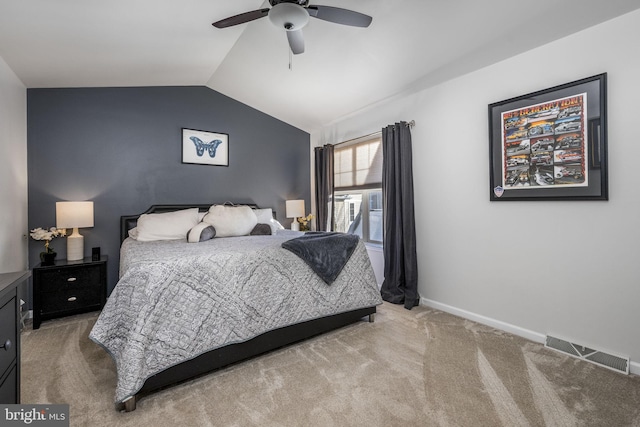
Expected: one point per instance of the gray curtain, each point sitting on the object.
(324, 187)
(400, 284)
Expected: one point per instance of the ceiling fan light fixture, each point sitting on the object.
(289, 16)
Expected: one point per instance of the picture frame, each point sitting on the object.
(205, 148)
(550, 144)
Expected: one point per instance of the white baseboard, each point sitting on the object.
(512, 329)
(634, 367)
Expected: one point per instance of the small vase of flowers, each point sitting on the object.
(49, 255)
(305, 222)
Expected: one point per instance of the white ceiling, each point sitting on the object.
(410, 44)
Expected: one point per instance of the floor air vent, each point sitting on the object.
(615, 363)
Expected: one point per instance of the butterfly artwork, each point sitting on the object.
(210, 148)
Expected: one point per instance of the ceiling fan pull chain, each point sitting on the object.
(290, 59)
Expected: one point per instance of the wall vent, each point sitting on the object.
(610, 361)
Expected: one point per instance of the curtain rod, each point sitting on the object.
(411, 124)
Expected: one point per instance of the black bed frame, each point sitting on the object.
(232, 353)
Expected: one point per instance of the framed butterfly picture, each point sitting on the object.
(205, 148)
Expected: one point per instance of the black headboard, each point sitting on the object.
(127, 222)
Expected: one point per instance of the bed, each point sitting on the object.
(180, 310)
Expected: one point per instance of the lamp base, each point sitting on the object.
(295, 225)
(75, 246)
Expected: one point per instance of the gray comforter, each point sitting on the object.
(177, 300)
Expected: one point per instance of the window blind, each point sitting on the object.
(358, 165)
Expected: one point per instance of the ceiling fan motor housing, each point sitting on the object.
(289, 16)
(303, 3)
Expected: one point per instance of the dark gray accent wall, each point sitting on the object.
(121, 148)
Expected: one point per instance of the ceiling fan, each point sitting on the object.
(293, 15)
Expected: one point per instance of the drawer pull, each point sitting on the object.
(71, 279)
(7, 345)
(71, 299)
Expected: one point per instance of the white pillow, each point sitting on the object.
(133, 233)
(275, 225)
(231, 220)
(201, 233)
(265, 216)
(166, 226)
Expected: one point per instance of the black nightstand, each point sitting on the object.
(68, 287)
(10, 335)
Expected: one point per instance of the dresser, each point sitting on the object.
(10, 335)
(68, 287)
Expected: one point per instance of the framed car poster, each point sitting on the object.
(550, 144)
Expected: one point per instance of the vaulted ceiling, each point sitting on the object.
(410, 44)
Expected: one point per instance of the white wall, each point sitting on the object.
(13, 171)
(575, 272)
(377, 262)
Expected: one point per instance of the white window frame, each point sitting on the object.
(355, 185)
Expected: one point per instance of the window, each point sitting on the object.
(358, 165)
(360, 212)
(358, 188)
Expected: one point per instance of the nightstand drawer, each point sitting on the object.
(68, 300)
(9, 387)
(60, 279)
(8, 338)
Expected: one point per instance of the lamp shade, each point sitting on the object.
(295, 208)
(74, 214)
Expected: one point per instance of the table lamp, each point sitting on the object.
(74, 215)
(295, 209)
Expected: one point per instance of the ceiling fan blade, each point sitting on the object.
(296, 41)
(241, 19)
(340, 16)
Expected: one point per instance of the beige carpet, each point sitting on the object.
(409, 368)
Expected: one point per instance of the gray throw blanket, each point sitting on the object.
(325, 252)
